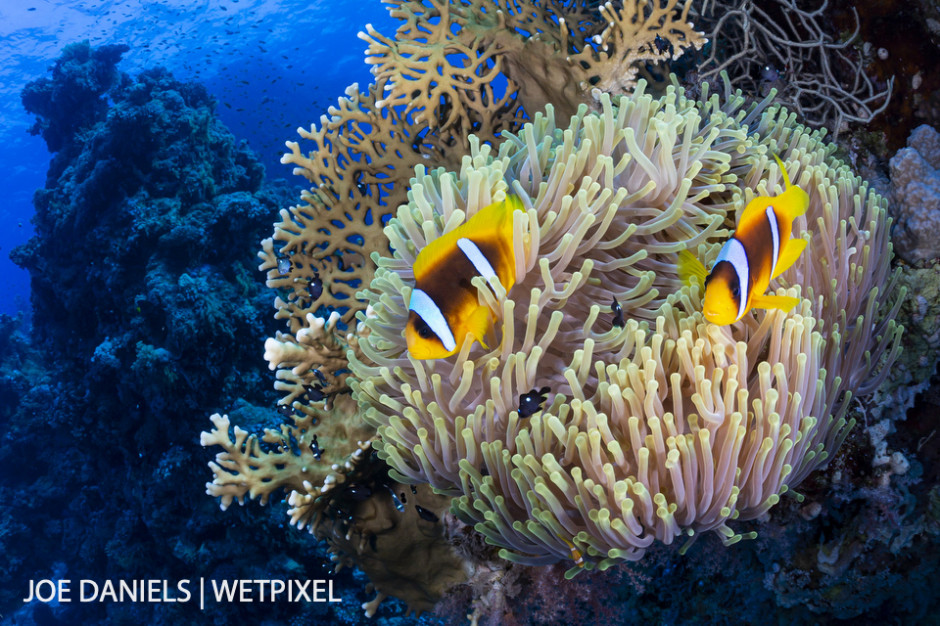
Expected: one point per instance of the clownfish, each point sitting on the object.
(444, 308)
(759, 250)
(576, 555)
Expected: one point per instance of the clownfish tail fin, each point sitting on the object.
(691, 269)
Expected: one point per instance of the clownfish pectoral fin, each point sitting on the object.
(691, 268)
(478, 324)
(784, 303)
(791, 252)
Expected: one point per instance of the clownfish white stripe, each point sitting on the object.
(775, 235)
(734, 253)
(422, 304)
(475, 256)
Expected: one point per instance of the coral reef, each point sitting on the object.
(146, 310)
(666, 426)
(753, 408)
(363, 156)
(915, 178)
(365, 150)
(147, 313)
(74, 98)
(767, 45)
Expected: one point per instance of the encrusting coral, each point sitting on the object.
(915, 176)
(666, 426)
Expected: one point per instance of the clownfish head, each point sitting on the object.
(423, 342)
(723, 295)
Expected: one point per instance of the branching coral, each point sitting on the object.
(820, 76)
(365, 152)
(307, 457)
(437, 83)
(554, 52)
(666, 426)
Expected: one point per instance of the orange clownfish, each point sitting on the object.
(576, 555)
(444, 308)
(759, 250)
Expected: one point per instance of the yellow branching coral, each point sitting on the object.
(323, 442)
(663, 427)
(436, 82)
(303, 460)
(554, 52)
(359, 167)
(365, 152)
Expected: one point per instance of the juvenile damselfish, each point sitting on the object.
(759, 250)
(444, 307)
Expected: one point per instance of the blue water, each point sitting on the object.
(273, 65)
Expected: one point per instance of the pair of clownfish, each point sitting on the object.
(444, 308)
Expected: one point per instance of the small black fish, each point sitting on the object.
(426, 515)
(663, 45)
(361, 186)
(617, 310)
(531, 403)
(315, 287)
(314, 393)
(358, 492)
(285, 409)
(316, 449)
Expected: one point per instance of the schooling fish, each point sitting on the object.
(444, 308)
(760, 250)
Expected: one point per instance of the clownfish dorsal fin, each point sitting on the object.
(786, 177)
(690, 268)
(494, 220)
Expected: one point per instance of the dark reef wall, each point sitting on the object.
(149, 314)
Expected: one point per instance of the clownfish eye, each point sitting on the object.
(735, 292)
(424, 331)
